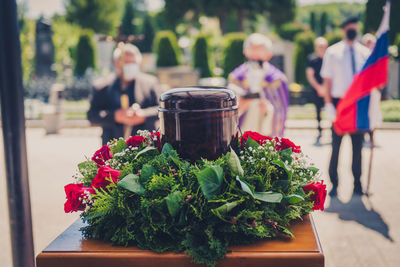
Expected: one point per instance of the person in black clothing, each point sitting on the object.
(314, 78)
(126, 101)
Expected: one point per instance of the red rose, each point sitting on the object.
(259, 138)
(319, 195)
(76, 193)
(135, 141)
(155, 137)
(285, 144)
(101, 155)
(105, 172)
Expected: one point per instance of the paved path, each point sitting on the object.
(353, 232)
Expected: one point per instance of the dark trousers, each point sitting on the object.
(319, 103)
(356, 140)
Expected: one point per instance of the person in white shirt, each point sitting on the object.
(340, 63)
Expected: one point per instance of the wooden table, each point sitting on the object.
(70, 249)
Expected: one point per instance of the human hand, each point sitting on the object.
(320, 91)
(263, 105)
(330, 112)
(120, 116)
(244, 104)
(135, 117)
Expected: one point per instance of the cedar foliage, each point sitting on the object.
(148, 35)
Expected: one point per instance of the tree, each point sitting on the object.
(312, 22)
(128, 28)
(201, 56)
(148, 35)
(304, 47)
(102, 16)
(233, 53)
(323, 23)
(166, 48)
(281, 11)
(374, 14)
(84, 53)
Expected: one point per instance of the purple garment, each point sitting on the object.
(275, 89)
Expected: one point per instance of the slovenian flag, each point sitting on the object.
(359, 109)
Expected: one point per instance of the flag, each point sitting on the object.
(359, 109)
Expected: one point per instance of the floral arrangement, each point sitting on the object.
(135, 192)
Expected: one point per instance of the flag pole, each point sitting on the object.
(371, 156)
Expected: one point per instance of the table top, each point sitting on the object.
(71, 249)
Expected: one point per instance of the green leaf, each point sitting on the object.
(294, 199)
(251, 143)
(287, 154)
(119, 146)
(284, 167)
(269, 196)
(313, 169)
(281, 184)
(147, 172)
(150, 150)
(131, 183)
(300, 192)
(224, 209)
(246, 187)
(287, 231)
(234, 164)
(167, 149)
(210, 180)
(174, 202)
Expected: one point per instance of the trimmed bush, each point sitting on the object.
(166, 49)
(148, 35)
(233, 53)
(334, 37)
(288, 31)
(304, 47)
(201, 56)
(84, 53)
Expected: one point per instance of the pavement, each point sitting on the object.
(360, 231)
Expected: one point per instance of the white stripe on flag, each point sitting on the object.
(384, 26)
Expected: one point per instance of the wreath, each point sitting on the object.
(135, 192)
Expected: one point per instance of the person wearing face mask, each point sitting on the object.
(340, 63)
(314, 78)
(126, 101)
(262, 89)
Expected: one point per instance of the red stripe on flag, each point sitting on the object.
(375, 76)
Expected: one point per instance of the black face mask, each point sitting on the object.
(351, 34)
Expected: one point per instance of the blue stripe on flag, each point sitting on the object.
(380, 50)
(362, 120)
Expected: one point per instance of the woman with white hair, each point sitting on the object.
(261, 87)
(126, 101)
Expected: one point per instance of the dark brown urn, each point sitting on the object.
(199, 122)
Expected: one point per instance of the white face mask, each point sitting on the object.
(130, 71)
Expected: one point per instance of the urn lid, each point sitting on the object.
(198, 99)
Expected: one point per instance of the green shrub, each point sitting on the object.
(334, 36)
(397, 44)
(167, 50)
(84, 53)
(391, 110)
(201, 59)
(288, 31)
(304, 47)
(233, 54)
(148, 35)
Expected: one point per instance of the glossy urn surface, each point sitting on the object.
(199, 122)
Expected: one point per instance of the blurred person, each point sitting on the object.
(369, 40)
(314, 78)
(127, 100)
(262, 89)
(340, 63)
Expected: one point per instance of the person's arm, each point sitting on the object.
(328, 88)
(313, 82)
